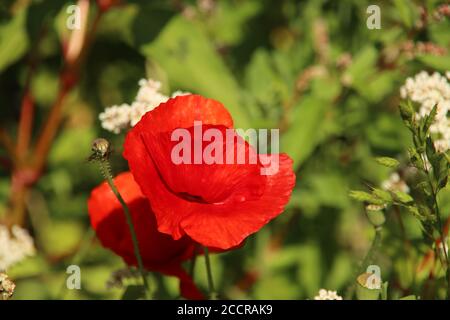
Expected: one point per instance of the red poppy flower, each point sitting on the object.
(217, 205)
(159, 251)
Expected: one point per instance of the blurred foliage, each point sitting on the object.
(311, 68)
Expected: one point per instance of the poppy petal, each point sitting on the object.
(159, 251)
(227, 226)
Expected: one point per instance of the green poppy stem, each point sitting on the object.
(212, 291)
(107, 174)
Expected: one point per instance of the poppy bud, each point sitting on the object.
(368, 286)
(101, 149)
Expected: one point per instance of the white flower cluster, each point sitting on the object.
(7, 287)
(430, 90)
(118, 118)
(14, 246)
(327, 295)
(395, 183)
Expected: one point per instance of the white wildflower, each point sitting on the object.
(149, 93)
(138, 109)
(395, 183)
(14, 246)
(428, 91)
(7, 287)
(442, 145)
(327, 295)
(116, 118)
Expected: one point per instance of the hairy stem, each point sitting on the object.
(106, 171)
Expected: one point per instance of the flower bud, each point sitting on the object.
(101, 149)
(375, 214)
(368, 286)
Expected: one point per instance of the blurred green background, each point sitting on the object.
(311, 68)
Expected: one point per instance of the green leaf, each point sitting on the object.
(382, 194)
(406, 12)
(366, 197)
(415, 158)
(191, 63)
(301, 139)
(13, 40)
(363, 65)
(441, 63)
(387, 162)
(407, 112)
(403, 197)
(428, 121)
(311, 113)
(263, 81)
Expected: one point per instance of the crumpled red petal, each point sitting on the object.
(216, 205)
(159, 251)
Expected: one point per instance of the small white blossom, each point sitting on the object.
(442, 145)
(395, 183)
(118, 118)
(138, 109)
(14, 246)
(7, 287)
(327, 295)
(149, 93)
(430, 90)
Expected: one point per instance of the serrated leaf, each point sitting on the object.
(366, 197)
(415, 158)
(406, 111)
(403, 197)
(382, 194)
(429, 119)
(387, 162)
